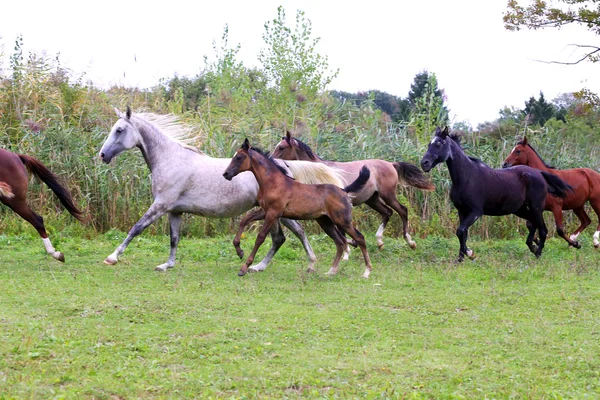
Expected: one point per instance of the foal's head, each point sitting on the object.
(240, 162)
(123, 136)
(438, 150)
(292, 149)
(519, 155)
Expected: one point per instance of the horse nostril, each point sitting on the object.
(102, 156)
(504, 165)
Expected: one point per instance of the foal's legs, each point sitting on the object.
(340, 242)
(462, 232)
(297, 230)
(360, 241)
(155, 211)
(270, 219)
(390, 199)
(18, 205)
(252, 216)
(377, 204)
(174, 228)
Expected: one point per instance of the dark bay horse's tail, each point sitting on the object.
(413, 176)
(556, 186)
(363, 178)
(38, 169)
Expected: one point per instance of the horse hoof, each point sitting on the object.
(61, 257)
(110, 261)
(240, 254)
(241, 273)
(459, 260)
(160, 268)
(596, 246)
(310, 271)
(412, 245)
(381, 246)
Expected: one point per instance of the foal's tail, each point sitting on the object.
(37, 168)
(363, 178)
(413, 176)
(556, 186)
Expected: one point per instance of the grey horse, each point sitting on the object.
(185, 180)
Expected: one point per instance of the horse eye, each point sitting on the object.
(119, 130)
(238, 158)
(518, 152)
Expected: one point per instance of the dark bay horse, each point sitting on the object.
(585, 183)
(380, 191)
(480, 190)
(281, 196)
(14, 181)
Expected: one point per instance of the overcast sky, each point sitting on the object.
(375, 44)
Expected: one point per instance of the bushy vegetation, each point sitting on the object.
(52, 113)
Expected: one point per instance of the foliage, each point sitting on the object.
(541, 14)
(538, 111)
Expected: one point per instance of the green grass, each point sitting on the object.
(504, 325)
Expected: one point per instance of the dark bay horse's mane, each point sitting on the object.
(303, 146)
(522, 142)
(271, 160)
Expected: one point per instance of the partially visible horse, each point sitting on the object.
(380, 191)
(586, 187)
(283, 197)
(185, 180)
(13, 192)
(480, 190)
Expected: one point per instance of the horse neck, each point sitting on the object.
(534, 161)
(459, 164)
(264, 170)
(155, 145)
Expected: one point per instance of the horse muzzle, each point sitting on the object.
(426, 165)
(227, 176)
(105, 158)
(506, 165)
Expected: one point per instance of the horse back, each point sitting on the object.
(585, 183)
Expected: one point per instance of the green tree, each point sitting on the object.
(427, 101)
(538, 111)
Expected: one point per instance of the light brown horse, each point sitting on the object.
(281, 196)
(379, 193)
(13, 192)
(585, 183)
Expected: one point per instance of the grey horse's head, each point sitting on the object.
(123, 136)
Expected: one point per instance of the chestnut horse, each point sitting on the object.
(13, 192)
(585, 183)
(379, 193)
(281, 196)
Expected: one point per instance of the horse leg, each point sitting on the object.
(462, 232)
(391, 200)
(18, 205)
(360, 241)
(174, 229)
(252, 216)
(155, 211)
(340, 242)
(584, 221)
(270, 219)
(595, 203)
(377, 204)
(277, 239)
(297, 230)
(558, 220)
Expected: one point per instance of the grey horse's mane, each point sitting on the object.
(170, 126)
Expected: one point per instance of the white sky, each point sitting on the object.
(375, 44)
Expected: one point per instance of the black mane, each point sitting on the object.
(303, 146)
(272, 160)
(536, 153)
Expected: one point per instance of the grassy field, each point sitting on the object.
(504, 325)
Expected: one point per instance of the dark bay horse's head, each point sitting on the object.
(123, 136)
(519, 155)
(438, 150)
(290, 148)
(239, 163)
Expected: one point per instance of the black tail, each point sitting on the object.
(556, 186)
(37, 168)
(413, 176)
(362, 179)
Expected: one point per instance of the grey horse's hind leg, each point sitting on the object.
(174, 228)
(154, 212)
(297, 230)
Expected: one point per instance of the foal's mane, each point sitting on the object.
(456, 137)
(271, 160)
(521, 142)
(304, 147)
(170, 126)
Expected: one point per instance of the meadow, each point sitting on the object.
(504, 325)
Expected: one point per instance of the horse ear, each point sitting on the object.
(128, 112)
(288, 136)
(446, 132)
(246, 144)
(524, 140)
(119, 113)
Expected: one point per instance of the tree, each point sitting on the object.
(541, 14)
(538, 111)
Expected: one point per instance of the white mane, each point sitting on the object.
(173, 128)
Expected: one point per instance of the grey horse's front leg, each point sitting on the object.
(154, 212)
(175, 225)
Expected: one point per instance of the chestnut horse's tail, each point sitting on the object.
(556, 186)
(5, 190)
(363, 178)
(413, 176)
(38, 169)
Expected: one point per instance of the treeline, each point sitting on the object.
(53, 114)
